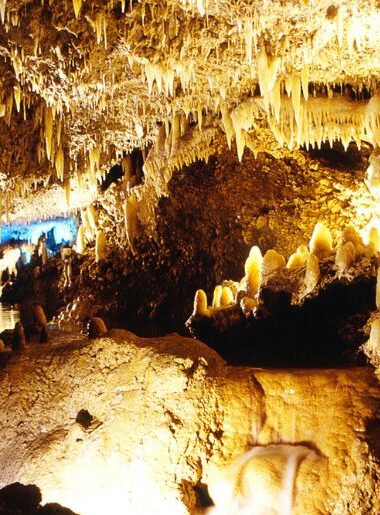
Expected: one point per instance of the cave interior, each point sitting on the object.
(190, 244)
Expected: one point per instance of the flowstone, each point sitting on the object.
(165, 416)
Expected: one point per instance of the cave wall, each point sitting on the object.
(213, 214)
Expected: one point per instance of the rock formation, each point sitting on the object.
(148, 424)
(210, 148)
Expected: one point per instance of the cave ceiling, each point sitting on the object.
(83, 83)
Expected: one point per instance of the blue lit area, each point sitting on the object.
(58, 231)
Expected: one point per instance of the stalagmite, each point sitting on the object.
(349, 233)
(100, 246)
(226, 297)
(248, 305)
(200, 304)
(372, 347)
(344, 258)
(312, 274)
(372, 178)
(216, 303)
(96, 327)
(321, 241)
(299, 258)
(253, 271)
(374, 238)
(80, 242)
(272, 262)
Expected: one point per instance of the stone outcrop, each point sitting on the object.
(146, 423)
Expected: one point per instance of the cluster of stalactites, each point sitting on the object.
(89, 231)
(88, 228)
(177, 145)
(319, 119)
(259, 269)
(296, 119)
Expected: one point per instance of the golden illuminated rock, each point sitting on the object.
(344, 257)
(100, 246)
(312, 273)
(321, 241)
(272, 261)
(253, 271)
(84, 85)
(200, 304)
(299, 258)
(166, 414)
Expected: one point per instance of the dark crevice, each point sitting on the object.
(336, 156)
(203, 497)
(324, 331)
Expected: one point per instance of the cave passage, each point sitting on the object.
(324, 331)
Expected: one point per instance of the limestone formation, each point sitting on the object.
(199, 145)
(171, 416)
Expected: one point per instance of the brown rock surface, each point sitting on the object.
(167, 414)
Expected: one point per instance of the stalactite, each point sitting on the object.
(80, 241)
(3, 4)
(227, 123)
(77, 4)
(59, 163)
(48, 131)
(67, 188)
(17, 94)
(131, 219)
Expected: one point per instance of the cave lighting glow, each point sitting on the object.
(92, 484)
(64, 229)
